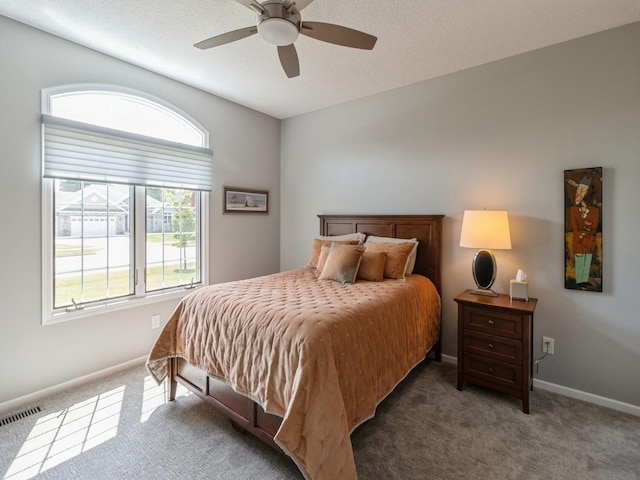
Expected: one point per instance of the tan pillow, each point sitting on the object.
(412, 258)
(317, 246)
(397, 257)
(372, 266)
(342, 263)
(322, 259)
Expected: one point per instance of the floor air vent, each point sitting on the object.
(19, 416)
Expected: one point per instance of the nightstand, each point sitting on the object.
(495, 343)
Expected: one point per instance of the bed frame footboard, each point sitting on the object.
(245, 414)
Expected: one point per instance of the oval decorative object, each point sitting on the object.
(484, 269)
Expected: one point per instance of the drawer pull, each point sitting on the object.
(491, 347)
(490, 322)
(490, 369)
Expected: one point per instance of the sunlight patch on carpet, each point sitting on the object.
(67, 433)
(155, 395)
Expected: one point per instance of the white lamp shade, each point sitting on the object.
(485, 229)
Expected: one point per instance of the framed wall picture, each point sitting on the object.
(583, 229)
(242, 200)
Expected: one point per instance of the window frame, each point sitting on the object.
(140, 297)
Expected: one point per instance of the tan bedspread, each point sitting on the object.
(318, 353)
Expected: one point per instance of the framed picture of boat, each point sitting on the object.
(243, 200)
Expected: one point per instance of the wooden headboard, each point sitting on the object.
(426, 228)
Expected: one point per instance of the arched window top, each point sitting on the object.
(111, 134)
(125, 110)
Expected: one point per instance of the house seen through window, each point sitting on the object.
(125, 177)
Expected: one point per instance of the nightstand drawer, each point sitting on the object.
(493, 322)
(493, 372)
(498, 348)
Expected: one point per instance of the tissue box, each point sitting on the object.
(518, 290)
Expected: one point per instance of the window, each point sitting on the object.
(125, 182)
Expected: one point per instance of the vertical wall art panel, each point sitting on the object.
(583, 229)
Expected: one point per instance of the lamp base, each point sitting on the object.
(486, 292)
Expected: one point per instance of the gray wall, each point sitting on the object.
(497, 136)
(33, 357)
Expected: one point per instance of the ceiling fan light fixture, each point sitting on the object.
(279, 23)
(278, 31)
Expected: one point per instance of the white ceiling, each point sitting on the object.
(417, 40)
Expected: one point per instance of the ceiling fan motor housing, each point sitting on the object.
(276, 25)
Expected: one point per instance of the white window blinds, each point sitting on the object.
(77, 150)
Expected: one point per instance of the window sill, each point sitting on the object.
(50, 318)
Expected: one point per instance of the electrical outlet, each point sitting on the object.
(547, 345)
(155, 321)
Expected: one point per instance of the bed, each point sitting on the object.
(300, 361)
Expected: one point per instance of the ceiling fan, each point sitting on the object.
(279, 23)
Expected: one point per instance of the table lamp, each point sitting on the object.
(485, 230)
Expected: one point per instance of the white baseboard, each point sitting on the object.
(587, 397)
(449, 359)
(16, 403)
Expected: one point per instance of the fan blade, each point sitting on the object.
(347, 37)
(253, 5)
(227, 38)
(299, 5)
(289, 60)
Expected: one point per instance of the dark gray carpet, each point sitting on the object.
(118, 428)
